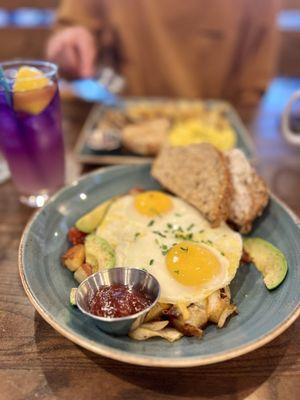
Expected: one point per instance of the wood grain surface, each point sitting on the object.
(38, 363)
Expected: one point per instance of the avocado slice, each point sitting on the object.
(73, 296)
(99, 253)
(269, 260)
(89, 222)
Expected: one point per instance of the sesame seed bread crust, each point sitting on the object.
(198, 174)
(249, 192)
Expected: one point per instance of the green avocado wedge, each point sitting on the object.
(99, 253)
(73, 296)
(268, 259)
(90, 221)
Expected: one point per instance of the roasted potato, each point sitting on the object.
(185, 328)
(215, 306)
(198, 315)
(231, 309)
(83, 272)
(219, 307)
(157, 311)
(184, 310)
(176, 319)
(74, 257)
(157, 328)
(155, 325)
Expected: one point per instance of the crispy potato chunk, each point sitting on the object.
(184, 310)
(219, 307)
(74, 257)
(215, 306)
(184, 326)
(157, 311)
(83, 272)
(198, 316)
(155, 326)
(155, 329)
(231, 309)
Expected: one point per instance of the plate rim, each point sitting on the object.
(143, 360)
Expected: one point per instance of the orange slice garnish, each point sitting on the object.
(33, 91)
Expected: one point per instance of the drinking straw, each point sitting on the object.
(4, 84)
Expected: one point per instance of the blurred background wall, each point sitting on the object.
(25, 26)
(289, 26)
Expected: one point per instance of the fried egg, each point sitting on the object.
(170, 239)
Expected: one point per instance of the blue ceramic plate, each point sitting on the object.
(263, 315)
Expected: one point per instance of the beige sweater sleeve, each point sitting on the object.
(255, 60)
(81, 12)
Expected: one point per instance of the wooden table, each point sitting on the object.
(38, 363)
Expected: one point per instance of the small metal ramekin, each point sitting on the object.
(133, 277)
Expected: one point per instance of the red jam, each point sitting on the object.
(117, 301)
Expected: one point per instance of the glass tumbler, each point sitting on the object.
(30, 129)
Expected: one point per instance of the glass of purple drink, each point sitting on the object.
(30, 129)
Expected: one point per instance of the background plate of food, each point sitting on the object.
(135, 130)
(203, 317)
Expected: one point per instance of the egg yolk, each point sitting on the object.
(192, 264)
(152, 203)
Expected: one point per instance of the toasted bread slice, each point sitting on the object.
(249, 192)
(198, 174)
(146, 138)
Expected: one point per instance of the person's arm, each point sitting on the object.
(75, 42)
(254, 63)
(85, 13)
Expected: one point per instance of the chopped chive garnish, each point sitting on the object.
(159, 233)
(207, 242)
(190, 227)
(151, 222)
(136, 235)
(188, 236)
(176, 271)
(170, 226)
(151, 262)
(184, 248)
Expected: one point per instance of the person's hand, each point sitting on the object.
(74, 50)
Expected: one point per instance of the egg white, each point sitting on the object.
(141, 241)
